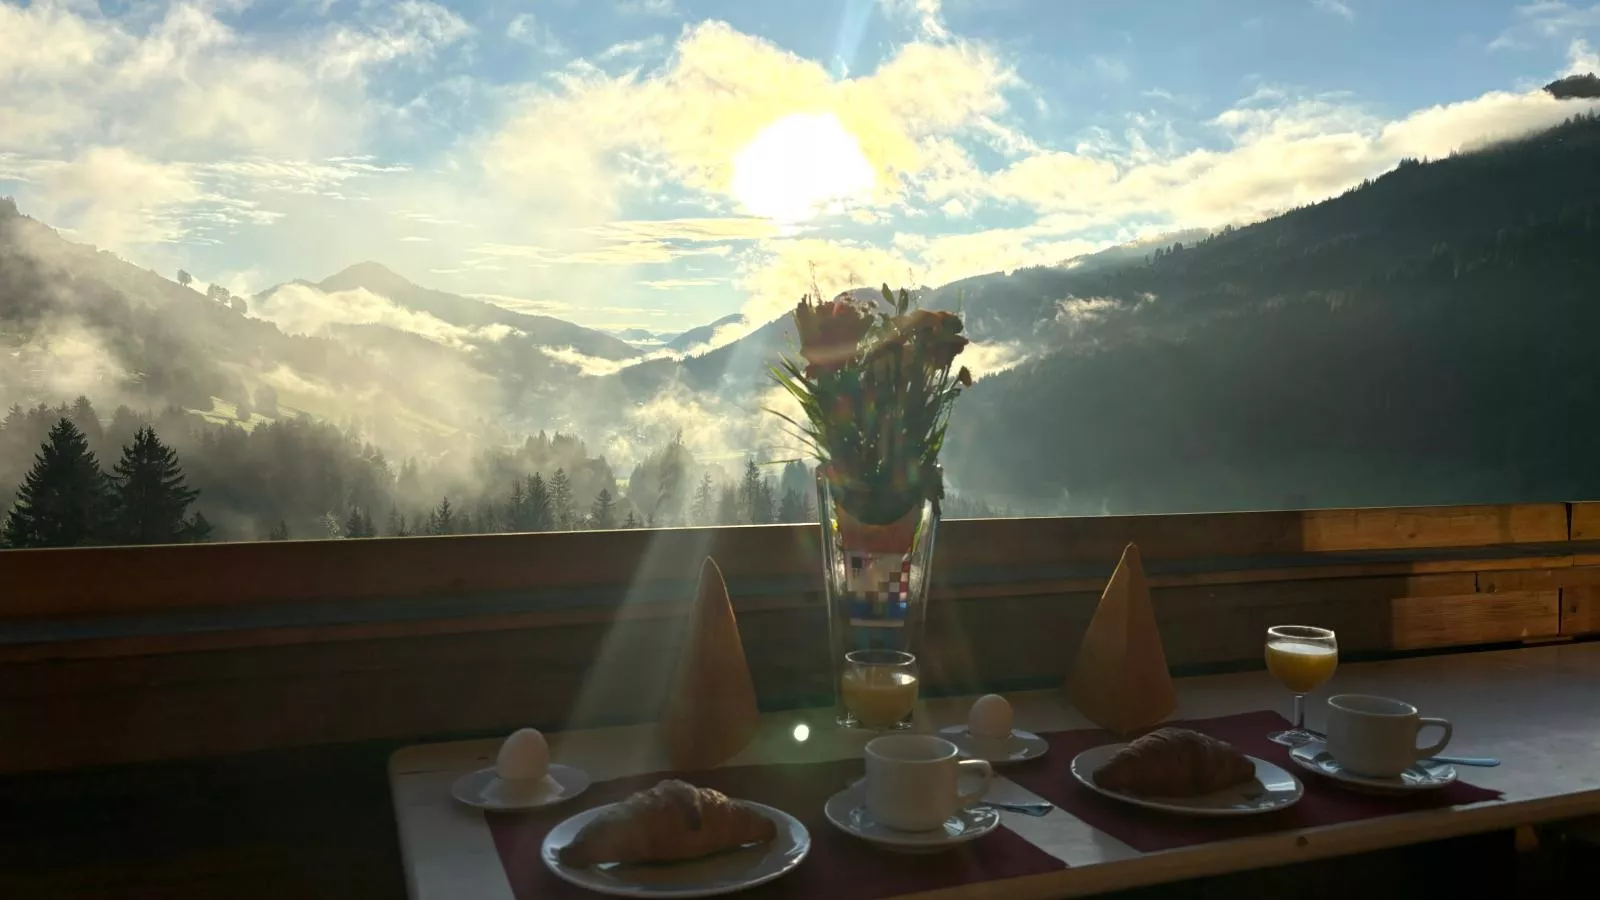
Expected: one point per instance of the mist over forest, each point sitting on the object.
(1419, 339)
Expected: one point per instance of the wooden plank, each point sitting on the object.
(112, 580)
(1584, 521)
(1422, 622)
(1539, 579)
(1580, 610)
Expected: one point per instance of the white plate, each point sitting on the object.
(1018, 746)
(485, 790)
(1314, 757)
(1271, 790)
(847, 810)
(709, 876)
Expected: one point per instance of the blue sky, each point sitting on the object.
(659, 163)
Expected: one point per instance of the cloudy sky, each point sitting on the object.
(662, 162)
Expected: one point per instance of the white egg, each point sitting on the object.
(990, 717)
(524, 756)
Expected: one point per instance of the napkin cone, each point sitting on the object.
(711, 711)
(1120, 680)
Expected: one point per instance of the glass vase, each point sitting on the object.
(876, 580)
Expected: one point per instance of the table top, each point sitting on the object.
(1537, 709)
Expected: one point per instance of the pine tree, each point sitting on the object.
(728, 506)
(464, 523)
(755, 497)
(517, 507)
(279, 532)
(705, 501)
(766, 508)
(632, 521)
(443, 519)
(541, 517)
(149, 496)
(64, 500)
(354, 526)
(603, 514)
(791, 508)
(561, 501)
(397, 523)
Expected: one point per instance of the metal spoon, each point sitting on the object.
(1027, 809)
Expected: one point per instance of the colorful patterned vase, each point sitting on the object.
(876, 578)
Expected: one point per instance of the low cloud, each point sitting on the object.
(303, 309)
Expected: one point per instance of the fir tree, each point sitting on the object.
(728, 506)
(279, 532)
(64, 500)
(755, 496)
(705, 501)
(791, 508)
(443, 519)
(603, 514)
(540, 515)
(464, 523)
(355, 526)
(632, 521)
(397, 523)
(561, 511)
(517, 507)
(149, 495)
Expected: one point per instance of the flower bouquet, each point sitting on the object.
(875, 388)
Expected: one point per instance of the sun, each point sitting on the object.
(799, 166)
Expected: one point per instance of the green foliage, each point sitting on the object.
(65, 500)
(603, 514)
(150, 498)
(561, 512)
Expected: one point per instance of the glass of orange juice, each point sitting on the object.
(879, 689)
(1302, 657)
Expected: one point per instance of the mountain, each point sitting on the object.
(1424, 338)
(694, 337)
(467, 312)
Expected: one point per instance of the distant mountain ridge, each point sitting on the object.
(468, 312)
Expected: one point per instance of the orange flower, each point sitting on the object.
(830, 332)
(937, 331)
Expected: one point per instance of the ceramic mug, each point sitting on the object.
(911, 781)
(1377, 736)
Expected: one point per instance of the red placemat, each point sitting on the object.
(1324, 803)
(839, 866)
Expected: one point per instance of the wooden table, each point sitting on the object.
(1537, 709)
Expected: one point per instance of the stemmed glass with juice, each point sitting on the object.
(1302, 657)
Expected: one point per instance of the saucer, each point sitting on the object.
(486, 790)
(847, 810)
(1314, 757)
(1016, 747)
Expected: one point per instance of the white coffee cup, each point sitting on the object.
(911, 781)
(1377, 736)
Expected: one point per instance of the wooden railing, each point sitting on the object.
(126, 654)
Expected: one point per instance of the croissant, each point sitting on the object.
(1175, 762)
(670, 822)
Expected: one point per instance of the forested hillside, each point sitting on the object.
(1424, 338)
